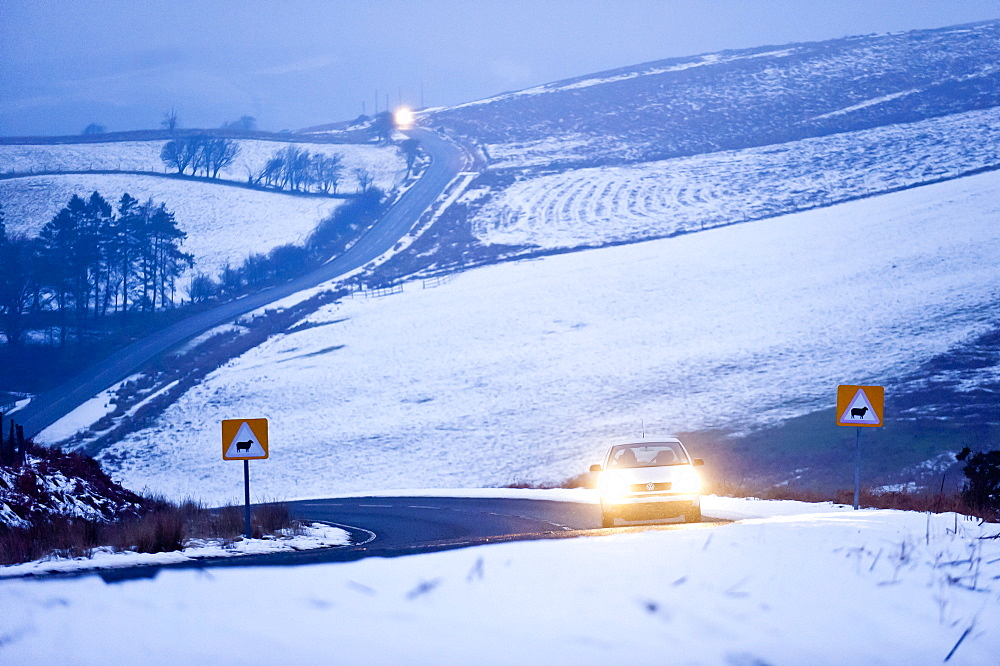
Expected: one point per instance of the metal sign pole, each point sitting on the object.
(857, 469)
(246, 492)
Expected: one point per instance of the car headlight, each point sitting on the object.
(687, 481)
(612, 486)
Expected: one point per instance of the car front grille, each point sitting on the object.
(649, 487)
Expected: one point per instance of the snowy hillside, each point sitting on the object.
(596, 205)
(52, 485)
(789, 583)
(519, 372)
(384, 163)
(223, 223)
(739, 99)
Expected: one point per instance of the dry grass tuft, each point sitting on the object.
(163, 527)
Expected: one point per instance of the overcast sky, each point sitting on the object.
(67, 63)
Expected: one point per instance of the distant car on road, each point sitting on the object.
(649, 479)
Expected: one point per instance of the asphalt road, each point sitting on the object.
(447, 160)
(397, 526)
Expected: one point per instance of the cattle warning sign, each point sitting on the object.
(860, 406)
(244, 439)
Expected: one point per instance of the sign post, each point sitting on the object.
(861, 407)
(246, 440)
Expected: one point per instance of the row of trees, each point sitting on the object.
(199, 152)
(301, 171)
(291, 168)
(90, 260)
(330, 238)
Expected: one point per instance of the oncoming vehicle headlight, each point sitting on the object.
(687, 481)
(403, 118)
(612, 486)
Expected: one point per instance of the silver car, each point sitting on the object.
(649, 479)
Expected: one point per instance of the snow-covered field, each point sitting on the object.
(519, 372)
(384, 163)
(790, 583)
(223, 223)
(597, 205)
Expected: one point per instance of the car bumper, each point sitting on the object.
(639, 507)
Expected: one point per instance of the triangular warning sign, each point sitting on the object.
(245, 444)
(860, 411)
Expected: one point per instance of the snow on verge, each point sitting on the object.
(316, 535)
(820, 587)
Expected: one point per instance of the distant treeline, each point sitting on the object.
(90, 260)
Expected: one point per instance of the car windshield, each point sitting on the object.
(647, 455)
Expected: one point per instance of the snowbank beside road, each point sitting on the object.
(316, 535)
(807, 585)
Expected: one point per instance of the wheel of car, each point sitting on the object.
(607, 521)
(693, 516)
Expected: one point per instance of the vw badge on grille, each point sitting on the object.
(650, 486)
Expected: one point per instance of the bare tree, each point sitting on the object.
(273, 170)
(326, 172)
(411, 150)
(295, 167)
(364, 177)
(169, 121)
(383, 126)
(202, 288)
(180, 154)
(217, 154)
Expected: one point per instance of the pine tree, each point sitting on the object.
(59, 265)
(127, 246)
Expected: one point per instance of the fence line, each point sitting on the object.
(437, 280)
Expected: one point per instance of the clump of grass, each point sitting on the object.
(162, 527)
(64, 537)
(868, 498)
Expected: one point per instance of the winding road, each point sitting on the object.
(447, 161)
(397, 526)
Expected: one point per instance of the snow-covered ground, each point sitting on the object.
(83, 416)
(790, 583)
(597, 205)
(520, 371)
(223, 223)
(576, 84)
(384, 163)
(314, 535)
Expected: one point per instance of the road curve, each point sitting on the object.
(447, 160)
(397, 526)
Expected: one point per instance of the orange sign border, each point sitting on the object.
(875, 395)
(230, 427)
